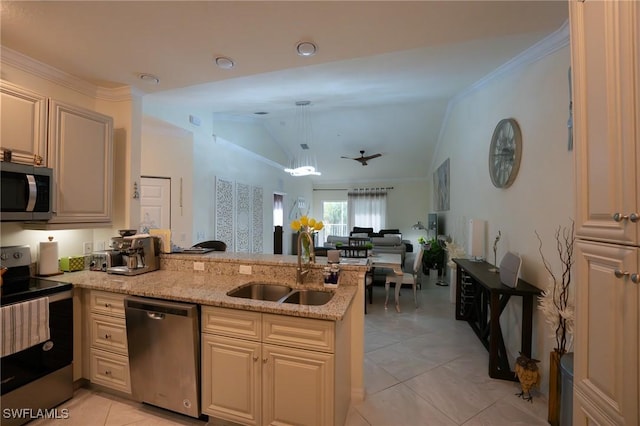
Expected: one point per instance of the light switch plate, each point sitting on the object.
(198, 266)
(245, 269)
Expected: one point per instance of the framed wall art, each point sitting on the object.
(441, 187)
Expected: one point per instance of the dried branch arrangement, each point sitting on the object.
(556, 301)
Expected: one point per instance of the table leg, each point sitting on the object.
(494, 329)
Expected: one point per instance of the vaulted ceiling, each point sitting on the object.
(381, 79)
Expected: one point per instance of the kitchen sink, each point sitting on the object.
(309, 297)
(261, 291)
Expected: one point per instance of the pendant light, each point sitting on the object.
(304, 164)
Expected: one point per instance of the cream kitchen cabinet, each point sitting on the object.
(606, 77)
(23, 121)
(80, 150)
(262, 369)
(108, 351)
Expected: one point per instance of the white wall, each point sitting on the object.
(230, 158)
(167, 152)
(542, 196)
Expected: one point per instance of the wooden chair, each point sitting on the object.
(410, 275)
(213, 244)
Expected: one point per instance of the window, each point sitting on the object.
(334, 217)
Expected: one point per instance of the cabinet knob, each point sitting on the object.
(107, 372)
(264, 360)
(635, 278)
(107, 336)
(619, 274)
(255, 359)
(633, 217)
(107, 305)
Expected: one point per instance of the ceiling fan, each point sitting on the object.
(362, 159)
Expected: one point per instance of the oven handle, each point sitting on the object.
(55, 297)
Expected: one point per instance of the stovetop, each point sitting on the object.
(18, 285)
(30, 288)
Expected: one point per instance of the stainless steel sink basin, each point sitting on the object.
(309, 297)
(261, 291)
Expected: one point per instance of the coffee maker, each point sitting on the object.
(133, 255)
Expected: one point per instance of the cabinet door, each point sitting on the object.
(81, 154)
(606, 336)
(231, 370)
(297, 387)
(605, 99)
(23, 121)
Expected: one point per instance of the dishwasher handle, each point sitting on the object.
(159, 309)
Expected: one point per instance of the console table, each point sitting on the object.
(480, 300)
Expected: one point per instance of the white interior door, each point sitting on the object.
(155, 202)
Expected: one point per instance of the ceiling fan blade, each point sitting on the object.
(369, 157)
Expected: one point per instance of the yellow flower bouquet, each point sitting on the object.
(309, 226)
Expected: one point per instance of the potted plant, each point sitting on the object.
(433, 256)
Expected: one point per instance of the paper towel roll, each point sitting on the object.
(48, 263)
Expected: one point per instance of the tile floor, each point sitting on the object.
(421, 367)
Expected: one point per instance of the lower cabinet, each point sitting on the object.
(108, 349)
(261, 369)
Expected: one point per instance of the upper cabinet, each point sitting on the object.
(80, 152)
(23, 122)
(605, 53)
(75, 142)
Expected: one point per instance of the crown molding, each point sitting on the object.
(47, 72)
(545, 47)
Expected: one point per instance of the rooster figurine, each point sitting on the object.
(528, 375)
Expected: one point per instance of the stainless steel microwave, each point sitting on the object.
(26, 192)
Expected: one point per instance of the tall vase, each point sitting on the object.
(554, 388)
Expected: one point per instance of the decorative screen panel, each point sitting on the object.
(243, 217)
(257, 222)
(224, 212)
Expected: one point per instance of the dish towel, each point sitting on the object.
(24, 325)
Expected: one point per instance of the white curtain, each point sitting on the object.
(367, 208)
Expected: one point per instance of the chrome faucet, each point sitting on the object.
(302, 271)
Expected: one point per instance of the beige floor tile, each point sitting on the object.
(507, 412)
(399, 406)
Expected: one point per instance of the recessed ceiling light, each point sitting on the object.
(149, 78)
(306, 48)
(224, 63)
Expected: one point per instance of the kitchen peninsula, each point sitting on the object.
(329, 338)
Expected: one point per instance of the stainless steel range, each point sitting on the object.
(40, 376)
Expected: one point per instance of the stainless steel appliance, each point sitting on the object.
(164, 353)
(26, 192)
(133, 255)
(41, 376)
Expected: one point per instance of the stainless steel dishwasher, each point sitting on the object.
(164, 353)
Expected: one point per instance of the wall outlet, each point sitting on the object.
(245, 269)
(198, 266)
(101, 245)
(87, 248)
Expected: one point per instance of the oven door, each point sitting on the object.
(37, 361)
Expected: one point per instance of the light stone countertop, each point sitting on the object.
(179, 282)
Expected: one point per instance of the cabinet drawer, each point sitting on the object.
(110, 370)
(231, 322)
(109, 333)
(107, 303)
(303, 333)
